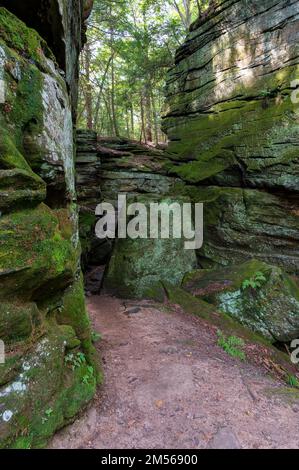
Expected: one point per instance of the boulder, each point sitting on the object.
(241, 223)
(42, 312)
(232, 122)
(260, 296)
(137, 266)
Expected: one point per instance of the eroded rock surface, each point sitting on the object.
(233, 129)
(260, 296)
(48, 375)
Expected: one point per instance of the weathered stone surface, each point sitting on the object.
(137, 266)
(232, 124)
(44, 394)
(232, 83)
(105, 168)
(243, 223)
(61, 24)
(42, 311)
(18, 322)
(260, 296)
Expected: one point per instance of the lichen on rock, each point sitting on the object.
(260, 296)
(39, 245)
(233, 130)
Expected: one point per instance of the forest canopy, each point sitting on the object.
(130, 46)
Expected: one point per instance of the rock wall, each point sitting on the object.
(105, 169)
(233, 130)
(49, 372)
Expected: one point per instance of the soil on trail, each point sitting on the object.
(169, 385)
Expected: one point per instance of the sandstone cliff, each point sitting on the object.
(48, 374)
(233, 129)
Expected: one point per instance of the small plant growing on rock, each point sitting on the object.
(87, 377)
(75, 360)
(95, 336)
(48, 413)
(292, 381)
(255, 282)
(231, 345)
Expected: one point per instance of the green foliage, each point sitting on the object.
(88, 376)
(95, 336)
(255, 282)
(75, 360)
(48, 414)
(292, 381)
(131, 45)
(232, 345)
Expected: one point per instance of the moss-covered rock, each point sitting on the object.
(73, 313)
(20, 188)
(50, 368)
(262, 297)
(23, 39)
(138, 265)
(232, 122)
(18, 322)
(243, 223)
(33, 253)
(227, 326)
(229, 113)
(47, 392)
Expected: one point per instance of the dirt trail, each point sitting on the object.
(168, 385)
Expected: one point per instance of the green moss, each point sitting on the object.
(10, 157)
(32, 252)
(20, 189)
(23, 442)
(18, 321)
(18, 36)
(69, 335)
(87, 223)
(269, 307)
(74, 313)
(63, 408)
(24, 106)
(237, 130)
(46, 393)
(10, 369)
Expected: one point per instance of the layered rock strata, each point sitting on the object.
(232, 119)
(49, 373)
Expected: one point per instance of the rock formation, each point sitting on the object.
(48, 375)
(232, 122)
(233, 130)
(261, 297)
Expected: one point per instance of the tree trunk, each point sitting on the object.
(88, 94)
(113, 108)
(148, 113)
(142, 133)
(132, 122)
(156, 127)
